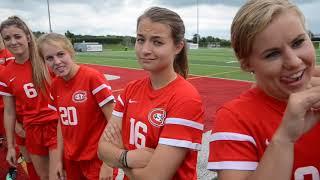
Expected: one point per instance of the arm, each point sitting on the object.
(9, 124)
(59, 169)
(108, 152)
(277, 161)
(19, 130)
(111, 147)
(164, 163)
(107, 110)
(106, 172)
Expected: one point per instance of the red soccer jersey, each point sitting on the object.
(78, 102)
(5, 56)
(172, 116)
(33, 103)
(242, 131)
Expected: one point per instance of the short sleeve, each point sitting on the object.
(101, 89)
(184, 124)
(52, 97)
(5, 83)
(231, 144)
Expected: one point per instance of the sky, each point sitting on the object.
(118, 17)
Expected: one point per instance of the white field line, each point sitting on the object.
(207, 76)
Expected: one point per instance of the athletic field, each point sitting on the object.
(214, 72)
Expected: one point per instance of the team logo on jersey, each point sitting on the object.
(2, 60)
(79, 96)
(157, 116)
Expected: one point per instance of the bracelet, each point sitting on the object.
(123, 159)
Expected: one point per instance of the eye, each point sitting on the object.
(60, 54)
(298, 43)
(272, 55)
(49, 58)
(157, 43)
(140, 40)
(6, 38)
(17, 36)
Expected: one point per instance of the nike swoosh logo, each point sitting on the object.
(12, 79)
(267, 142)
(132, 101)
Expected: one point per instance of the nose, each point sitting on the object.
(13, 41)
(146, 48)
(56, 60)
(291, 59)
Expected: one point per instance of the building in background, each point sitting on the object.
(88, 47)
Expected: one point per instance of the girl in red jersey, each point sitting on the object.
(26, 83)
(83, 98)
(270, 131)
(5, 58)
(159, 119)
(5, 55)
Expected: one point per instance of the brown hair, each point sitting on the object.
(55, 40)
(40, 73)
(252, 18)
(174, 21)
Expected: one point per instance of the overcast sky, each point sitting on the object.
(118, 17)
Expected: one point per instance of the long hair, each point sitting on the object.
(174, 21)
(40, 74)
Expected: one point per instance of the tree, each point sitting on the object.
(71, 36)
(195, 38)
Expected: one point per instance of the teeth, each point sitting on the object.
(293, 77)
(296, 75)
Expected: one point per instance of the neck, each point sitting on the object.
(163, 78)
(72, 73)
(21, 58)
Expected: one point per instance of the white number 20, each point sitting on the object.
(68, 116)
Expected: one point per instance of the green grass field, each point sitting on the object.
(218, 62)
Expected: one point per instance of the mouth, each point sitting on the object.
(59, 69)
(292, 78)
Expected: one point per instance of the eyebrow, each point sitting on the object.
(274, 49)
(298, 37)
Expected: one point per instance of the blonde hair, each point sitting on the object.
(40, 74)
(252, 18)
(57, 40)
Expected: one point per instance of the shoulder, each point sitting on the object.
(90, 72)
(183, 89)
(244, 110)
(137, 84)
(249, 99)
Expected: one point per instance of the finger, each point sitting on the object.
(315, 81)
(12, 162)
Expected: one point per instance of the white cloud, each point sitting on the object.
(118, 17)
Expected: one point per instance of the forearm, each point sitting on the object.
(276, 163)
(109, 154)
(59, 142)
(9, 124)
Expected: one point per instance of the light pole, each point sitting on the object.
(49, 16)
(198, 22)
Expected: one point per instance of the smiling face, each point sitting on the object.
(282, 57)
(16, 41)
(155, 48)
(59, 60)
